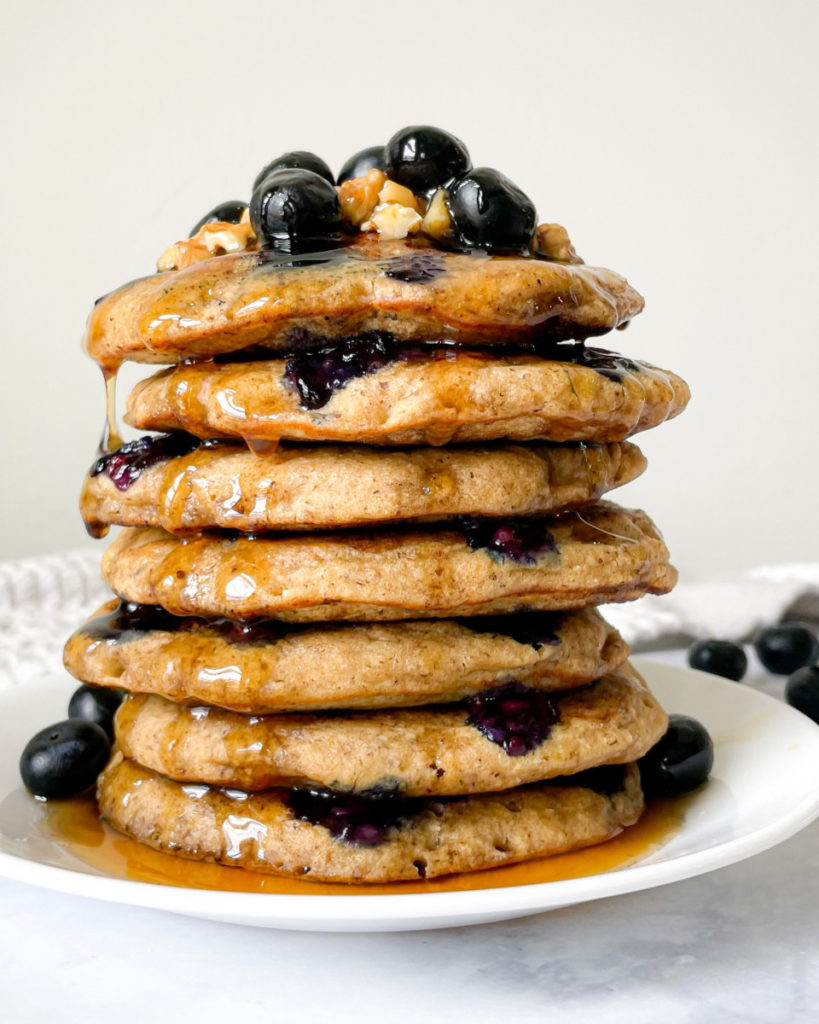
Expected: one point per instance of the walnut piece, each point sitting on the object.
(392, 220)
(552, 241)
(212, 239)
(437, 221)
(358, 197)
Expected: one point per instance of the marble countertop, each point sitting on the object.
(735, 946)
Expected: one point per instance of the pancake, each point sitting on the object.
(483, 567)
(299, 487)
(268, 832)
(430, 398)
(419, 752)
(270, 667)
(416, 292)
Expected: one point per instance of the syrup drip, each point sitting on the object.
(111, 438)
(77, 829)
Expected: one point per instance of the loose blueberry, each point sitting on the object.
(719, 657)
(490, 212)
(361, 162)
(296, 211)
(514, 717)
(125, 465)
(230, 212)
(96, 704)
(298, 159)
(64, 759)
(802, 691)
(784, 648)
(424, 158)
(680, 761)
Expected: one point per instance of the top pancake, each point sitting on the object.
(416, 292)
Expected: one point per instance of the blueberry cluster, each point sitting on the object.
(294, 207)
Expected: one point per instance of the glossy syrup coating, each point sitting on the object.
(423, 158)
(297, 159)
(296, 211)
(490, 212)
(230, 212)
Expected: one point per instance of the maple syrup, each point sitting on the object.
(78, 830)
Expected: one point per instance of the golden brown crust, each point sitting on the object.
(460, 396)
(366, 665)
(326, 486)
(260, 833)
(420, 752)
(233, 301)
(604, 554)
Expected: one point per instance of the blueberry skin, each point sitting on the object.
(96, 704)
(296, 211)
(359, 163)
(297, 159)
(784, 648)
(490, 212)
(802, 691)
(230, 212)
(680, 761)
(64, 759)
(424, 158)
(719, 657)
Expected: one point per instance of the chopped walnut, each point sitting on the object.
(552, 241)
(437, 221)
(359, 196)
(212, 239)
(392, 192)
(391, 220)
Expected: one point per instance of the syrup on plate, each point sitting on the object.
(77, 828)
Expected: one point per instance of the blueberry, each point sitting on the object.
(230, 212)
(514, 717)
(296, 211)
(719, 657)
(124, 466)
(361, 162)
(298, 159)
(802, 691)
(424, 158)
(681, 761)
(784, 648)
(317, 375)
(96, 704)
(64, 759)
(520, 539)
(490, 212)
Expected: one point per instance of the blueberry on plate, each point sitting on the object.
(719, 657)
(802, 691)
(680, 761)
(96, 704)
(361, 162)
(230, 212)
(298, 159)
(296, 211)
(424, 158)
(784, 648)
(64, 759)
(490, 212)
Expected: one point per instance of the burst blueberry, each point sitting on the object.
(316, 376)
(514, 717)
(521, 540)
(361, 819)
(125, 465)
(424, 158)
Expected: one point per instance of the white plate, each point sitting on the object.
(764, 788)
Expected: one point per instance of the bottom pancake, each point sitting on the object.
(316, 835)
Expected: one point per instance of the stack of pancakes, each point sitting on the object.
(355, 592)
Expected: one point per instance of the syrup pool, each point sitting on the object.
(77, 828)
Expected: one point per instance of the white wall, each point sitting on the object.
(677, 141)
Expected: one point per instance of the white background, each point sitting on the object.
(677, 141)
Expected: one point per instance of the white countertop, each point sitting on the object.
(738, 945)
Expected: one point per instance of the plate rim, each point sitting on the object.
(535, 897)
